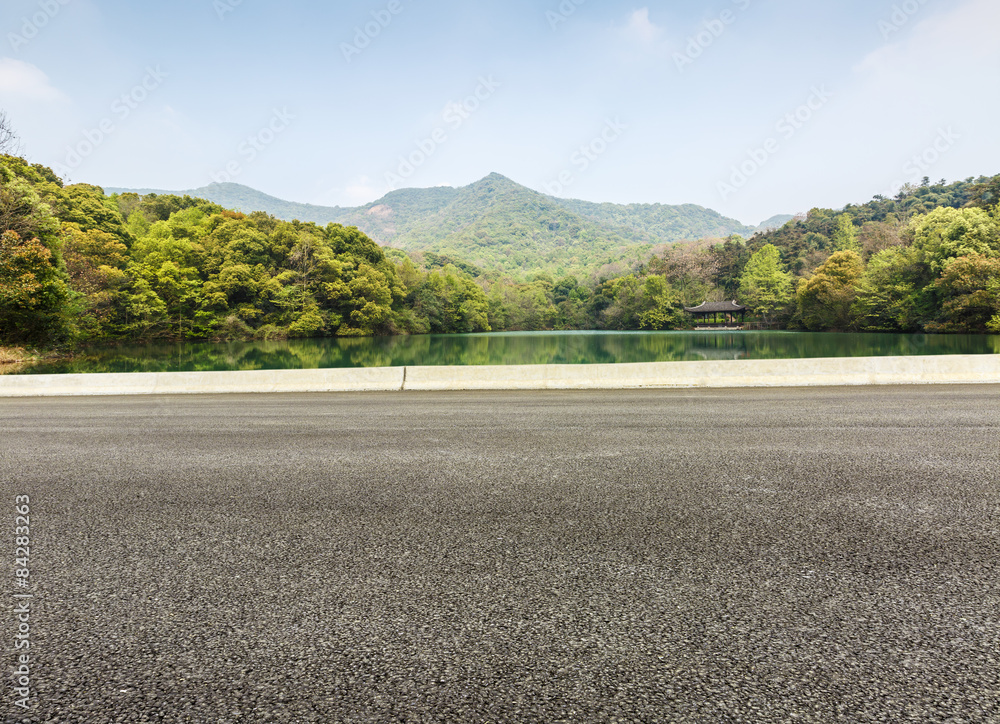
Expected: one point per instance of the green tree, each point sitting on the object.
(765, 286)
(663, 309)
(95, 262)
(626, 307)
(986, 194)
(145, 312)
(845, 238)
(23, 212)
(826, 298)
(452, 303)
(178, 289)
(730, 259)
(308, 323)
(946, 233)
(969, 291)
(33, 293)
(86, 206)
(368, 304)
(887, 293)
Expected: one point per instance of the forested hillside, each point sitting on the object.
(926, 260)
(77, 265)
(656, 223)
(498, 224)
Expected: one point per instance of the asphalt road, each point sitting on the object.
(802, 555)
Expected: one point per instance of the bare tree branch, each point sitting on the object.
(10, 143)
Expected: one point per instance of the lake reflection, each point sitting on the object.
(509, 349)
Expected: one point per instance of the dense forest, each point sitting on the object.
(77, 265)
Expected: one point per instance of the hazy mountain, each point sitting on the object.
(398, 212)
(496, 222)
(775, 222)
(245, 199)
(658, 223)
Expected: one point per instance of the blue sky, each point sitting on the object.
(749, 107)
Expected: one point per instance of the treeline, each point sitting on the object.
(77, 265)
(927, 260)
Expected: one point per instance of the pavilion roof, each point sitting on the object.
(715, 308)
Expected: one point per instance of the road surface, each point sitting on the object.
(644, 556)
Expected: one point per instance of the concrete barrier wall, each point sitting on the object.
(178, 383)
(957, 369)
(970, 369)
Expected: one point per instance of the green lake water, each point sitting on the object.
(516, 348)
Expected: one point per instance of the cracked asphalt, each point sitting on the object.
(809, 555)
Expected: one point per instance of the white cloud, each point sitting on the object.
(886, 123)
(27, 82)
(933, 71)
(638, 40)
(936, 42)
(640, 28)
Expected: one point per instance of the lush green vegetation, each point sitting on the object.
(499, 224)
(927, 260)
(79, 265)
(657, 223)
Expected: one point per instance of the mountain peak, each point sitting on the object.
(497, 223)
(495, 180)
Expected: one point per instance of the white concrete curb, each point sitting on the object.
(367, 379)
(944, 369)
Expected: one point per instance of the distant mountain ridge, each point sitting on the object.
(246, 199)
(496, 222)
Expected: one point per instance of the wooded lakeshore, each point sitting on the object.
(79, 266)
